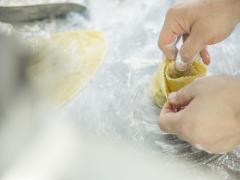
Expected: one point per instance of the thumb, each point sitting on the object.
(182, 97)
(191, 46)
(169, 119)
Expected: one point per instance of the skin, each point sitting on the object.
(205, 113)
(209, 113)
(200, 23)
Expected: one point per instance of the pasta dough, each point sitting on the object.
(167, 79)
(63, 63)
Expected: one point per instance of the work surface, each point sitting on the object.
(115, 104)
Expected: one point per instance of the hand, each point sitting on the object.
(202, 23)
(205, 113)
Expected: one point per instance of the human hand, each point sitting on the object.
(202, 23)
(205, 113)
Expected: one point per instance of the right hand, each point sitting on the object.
(205, 113)
(202, 23)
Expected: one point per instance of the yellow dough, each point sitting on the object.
(63, 63)
(167, 79)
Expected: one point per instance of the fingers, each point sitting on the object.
(182, 97)
(205, 56)
(192, 46)
(169, 119)
(194, 36)
(167, 42)
(169, 35)
(176, 110)
(172, 121)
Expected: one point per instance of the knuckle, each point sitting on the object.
(161, 41)
(161, 45)
(171, 11)
(168, 51)
(175, 9)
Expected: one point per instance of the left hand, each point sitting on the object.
(205, 113)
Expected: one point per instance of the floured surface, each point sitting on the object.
(115, 104)
(63, 63)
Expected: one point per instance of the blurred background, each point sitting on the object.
(109, 129)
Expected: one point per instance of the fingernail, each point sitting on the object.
(181, 66)
(208, 59)
(172, 96)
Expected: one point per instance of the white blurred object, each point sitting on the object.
(60, 152)
(27, 11)
(34, 2)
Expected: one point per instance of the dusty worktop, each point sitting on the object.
(115, 104)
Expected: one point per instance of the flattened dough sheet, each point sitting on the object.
(63, 63)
